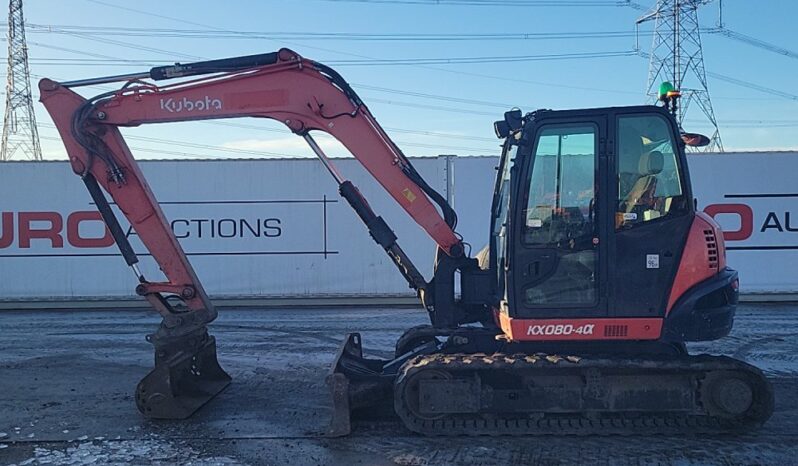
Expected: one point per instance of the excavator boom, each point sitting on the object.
(305, 96)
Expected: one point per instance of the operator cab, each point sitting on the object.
(591, 213)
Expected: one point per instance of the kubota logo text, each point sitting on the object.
(186, 105)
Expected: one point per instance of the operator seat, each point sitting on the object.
(630, 148)
(642, 192)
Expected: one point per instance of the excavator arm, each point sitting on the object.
(304, 95)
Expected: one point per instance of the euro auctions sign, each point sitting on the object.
(754, 197)
(249, 227)
(774, 221)
(67, 234)
(278, 227)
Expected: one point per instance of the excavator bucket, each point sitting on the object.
(183, 380)
(360, 387)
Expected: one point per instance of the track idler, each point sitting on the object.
(187, 375)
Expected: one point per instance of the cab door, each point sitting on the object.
(557, 262)
(653, 211)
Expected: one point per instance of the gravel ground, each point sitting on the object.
(67, 379)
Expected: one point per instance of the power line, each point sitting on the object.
(351, 36)
(459, 72)
(93, 31)
(368, 62)
(195, 145)
(437, 134)
(392, 129)
(65, 49)
(97, 62)
(467, 73)
(126, 62)
(461, 111)
(484, 59)
(439, 107)
(385, 90)
(750, 85)
(622, 3)
(148, 62)
(315, 35)
(505, 106)
(757, 120)
(417, 94)
(149, 13)
(505, 78)
(133, 46)
(741, 83)
(756, 42)
(158, 151)
(516, 3)
(286, 132)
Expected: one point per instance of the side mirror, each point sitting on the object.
(695, 139)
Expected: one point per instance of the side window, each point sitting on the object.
(560, 205)
(504, 190)
(499, 227)
(649, 178)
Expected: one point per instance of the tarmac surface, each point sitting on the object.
(67, 381)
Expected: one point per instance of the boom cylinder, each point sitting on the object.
(382, 234)
(378, 229)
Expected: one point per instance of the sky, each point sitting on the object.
(427, 109)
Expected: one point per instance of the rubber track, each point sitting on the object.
(607, 424)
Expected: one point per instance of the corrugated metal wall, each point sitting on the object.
(278, 227)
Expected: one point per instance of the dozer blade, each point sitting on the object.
(183, 380)
(358, 385)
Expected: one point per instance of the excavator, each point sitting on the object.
(574, 318)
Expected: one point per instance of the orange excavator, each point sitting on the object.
(572, 320)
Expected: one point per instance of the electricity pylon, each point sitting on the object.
(678, 57)
(20, 136)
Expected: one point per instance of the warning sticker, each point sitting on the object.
(408, 194)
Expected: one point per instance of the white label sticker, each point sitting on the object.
(652, 261)
(534, 223)
(630, 216)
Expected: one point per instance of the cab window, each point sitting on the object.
(499, 227)
(649, 179)
(561, 190)
(559, 219)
